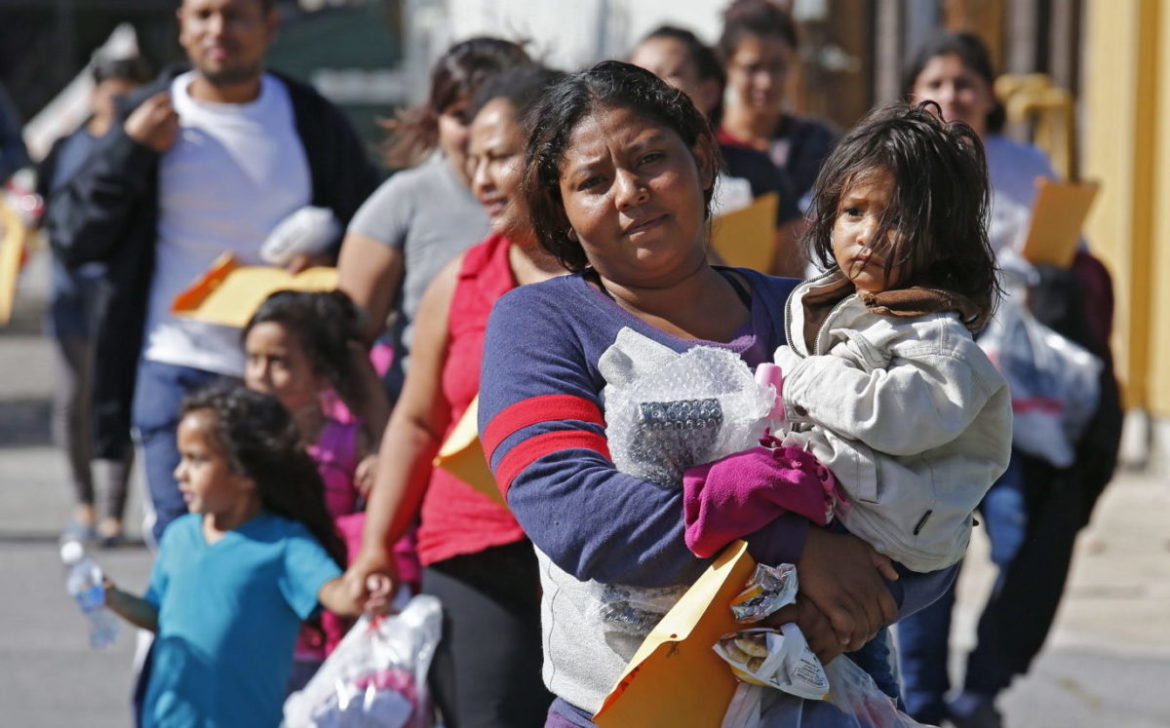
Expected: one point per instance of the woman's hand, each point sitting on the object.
(369, 583)
(814, 625)
(842, 576)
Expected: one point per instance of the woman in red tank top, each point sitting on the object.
(475, 556)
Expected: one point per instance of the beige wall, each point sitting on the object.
(1127, 148)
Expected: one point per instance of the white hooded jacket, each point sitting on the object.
(905, 409)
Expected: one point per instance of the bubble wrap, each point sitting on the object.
(666, 412)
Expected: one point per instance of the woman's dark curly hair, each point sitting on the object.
(971, 52)
(457, 75)
(607, 85)
(326, 324)
(261, 442)
(938, 204)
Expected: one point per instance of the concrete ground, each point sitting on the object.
(1107, 662)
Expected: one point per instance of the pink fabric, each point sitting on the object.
(336, 455)
(740, 494)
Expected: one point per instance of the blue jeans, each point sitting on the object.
(158, 392)
(924, 637)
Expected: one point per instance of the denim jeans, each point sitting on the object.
(158, 392)
(924, 637)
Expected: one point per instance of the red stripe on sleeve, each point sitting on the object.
(543, 408)
(534, 448)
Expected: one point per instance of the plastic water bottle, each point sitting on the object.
(83, 580)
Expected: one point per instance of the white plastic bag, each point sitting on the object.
(854, 701)
(1054, 382)
(376, 676)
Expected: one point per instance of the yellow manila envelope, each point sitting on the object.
(1058, 216)
(462, 456)
(229, 293)
(12, 241)
(676, 679)
(746, 237)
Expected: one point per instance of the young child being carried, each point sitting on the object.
(882, 380)
(234, 579)
(304, 348)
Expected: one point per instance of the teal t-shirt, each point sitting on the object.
(229, 614)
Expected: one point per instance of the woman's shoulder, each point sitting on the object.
(559, 294)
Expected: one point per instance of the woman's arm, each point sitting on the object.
(370, 272)
(542, 428)
(414, 434)
(135, 610)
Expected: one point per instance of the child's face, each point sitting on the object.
(278, 365)
(860, 212)
(206, 479)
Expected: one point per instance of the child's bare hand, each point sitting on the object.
(363, 476)
(379, 589)
(885, 566)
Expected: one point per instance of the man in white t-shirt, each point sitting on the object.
(208, 161)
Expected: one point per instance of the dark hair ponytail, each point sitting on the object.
(261, 442)
(458, 74)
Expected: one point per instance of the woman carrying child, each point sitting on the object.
(619, 174)
(234, 578)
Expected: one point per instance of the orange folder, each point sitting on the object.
(1058, 216)
(12, 241)
(745, 237)
(462, 455)
(229, 293)
(675, 678)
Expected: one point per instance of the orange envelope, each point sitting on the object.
(745, 237)
(462, 456)
(12, 240)
(675, 679)
(1058, 215)
(229, 293)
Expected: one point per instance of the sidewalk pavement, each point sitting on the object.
(1107, 662)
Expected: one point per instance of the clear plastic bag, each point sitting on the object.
(376, 676)
(1054, 382)
(667, 411)
(854, 701)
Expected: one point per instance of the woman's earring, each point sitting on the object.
(572, 234)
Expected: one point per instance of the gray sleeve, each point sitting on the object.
(387, 214)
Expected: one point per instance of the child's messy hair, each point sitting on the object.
(260, 441)
(326, 325)
(938, 204)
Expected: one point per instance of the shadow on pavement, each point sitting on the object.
(24, 422)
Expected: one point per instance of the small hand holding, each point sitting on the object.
(379, 590)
